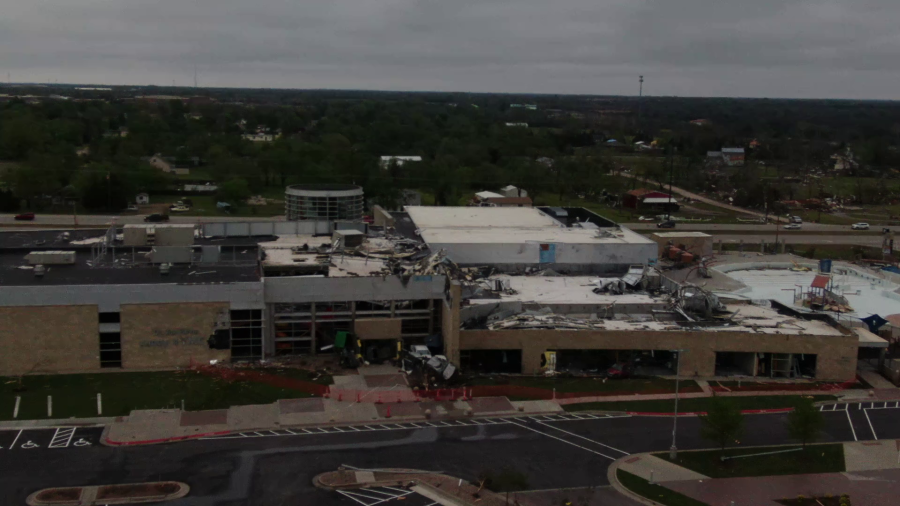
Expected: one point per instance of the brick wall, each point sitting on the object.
(169, 335)
(836, 355)
(450, 323)
(49, 339)
(378, 328)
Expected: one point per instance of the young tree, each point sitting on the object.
(722, 423)
(805, 422)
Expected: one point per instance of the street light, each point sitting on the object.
(673, 451)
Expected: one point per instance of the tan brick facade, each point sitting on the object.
(170, 335)
(450, 323)
(378, 328)
(836, 355)
(49, 339)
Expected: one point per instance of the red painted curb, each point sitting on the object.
(166, 440)
(700, 413)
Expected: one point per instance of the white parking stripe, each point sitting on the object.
(560, 439)
(851, 426)
(14, 440)
(582, 437)
(62, 437)
(866, 411)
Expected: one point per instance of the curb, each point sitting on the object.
(613, 479)
(104, 440)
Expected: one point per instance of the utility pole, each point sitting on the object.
(671, 176)
(195, 76)
(108, 198)
(673, 451)
(640, 100)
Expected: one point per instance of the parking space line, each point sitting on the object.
(16, 439)
(559, 439)
(851, 426)
(866, 411)
(582, 437)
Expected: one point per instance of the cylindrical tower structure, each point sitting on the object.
(324, 202)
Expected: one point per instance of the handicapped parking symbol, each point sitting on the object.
(81, 442)
(29, 445)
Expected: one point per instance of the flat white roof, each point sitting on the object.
(677, 235)
(563, 290)
(488, 195)
(505, 225)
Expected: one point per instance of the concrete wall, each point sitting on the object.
(49, 339)
(836, 355)
(169, 335)
(378, 328)
(312, 289)
(110, 297)
(450, 323)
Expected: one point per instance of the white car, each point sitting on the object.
(793, 226)
(179, 209)
(860, 226)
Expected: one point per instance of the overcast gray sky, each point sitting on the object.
(754, 48)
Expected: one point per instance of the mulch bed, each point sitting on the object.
(136, 490)
(60, 495)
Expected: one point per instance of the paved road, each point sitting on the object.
(273, 469)
(789, 238)
(728, 227)
(67, 220)
(701, 198)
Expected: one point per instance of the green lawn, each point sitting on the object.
(656, 493)
(75, 395)
(564, 385)
(694, 405)
(824, 458)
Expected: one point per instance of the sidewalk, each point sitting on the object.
(169, 425)
(849, 395)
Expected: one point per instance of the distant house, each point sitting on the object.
(545, 161)
(733, 157)
(507, 202)
(204, 188)
(643, 198)
(524, 125)
(260, 137)
(483, 196)
(160, 163)
(142, 199)
(512, 191)
(386, 161)
(530, 107)
(169, 165)
(844, 161)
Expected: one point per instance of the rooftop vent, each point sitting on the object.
(39, 271)
(164, 269)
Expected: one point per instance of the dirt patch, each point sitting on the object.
(60, 495)
(137, 490)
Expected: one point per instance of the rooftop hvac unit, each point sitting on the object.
(164, 269)
(39, 271)
(51, 257)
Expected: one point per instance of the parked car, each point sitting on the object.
(620, 371)
(793, 226)
(24, 217)
(132, 207)
(179, 209)
(156, 218)
(666, 224)
(860, 226)
(796, 219)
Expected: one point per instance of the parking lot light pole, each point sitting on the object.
(673, 451)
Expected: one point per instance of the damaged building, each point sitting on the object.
(493, 289)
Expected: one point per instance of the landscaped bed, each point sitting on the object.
(657, 493)
(538, 387)
(822, 458)
(75, 395)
